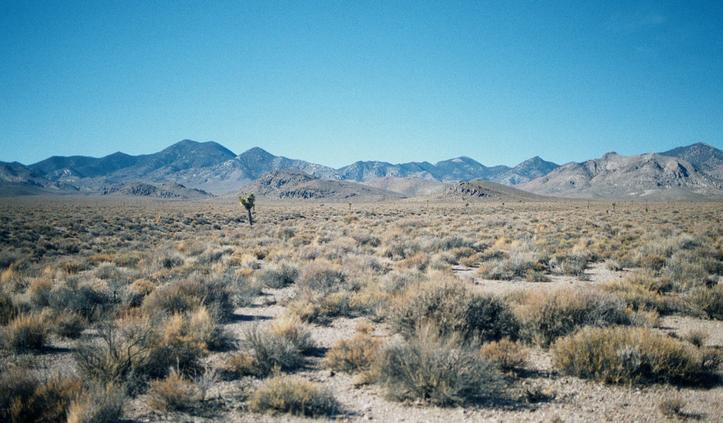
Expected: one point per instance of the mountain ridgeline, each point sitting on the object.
(190, 169)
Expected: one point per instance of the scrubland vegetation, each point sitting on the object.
(145, 310)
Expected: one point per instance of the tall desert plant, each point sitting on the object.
(248, 201)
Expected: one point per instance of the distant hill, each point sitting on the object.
(58, 168)
(694, 171)
(18, 179)
(703, 157)
(411, 186)
(525, 171)
(211, 167)
(363, 171)
(167, 191)
(302, 186)
(18, 173)
(487, 190)
(465, 168)
(247, 167)
(615, 176)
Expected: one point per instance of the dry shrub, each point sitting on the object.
(419, 261)
(179, 342)
(278, 275)
(25, 397)
(133, 350)
(672, 407)
(696, 337)
(203, 326)
(293, 395)
(322, 278)
(436, 369)
(173, 393)
(176, 297)
(643, 291)
(453, 309)
(325, 292)
(87, 298)
(644, 318)
(98, 405)
(506, 354)
(26, 332)
(396, 281)
(631, 355)
(708, 301)
(122, 350)
(547, 315)
(39, 292)
(220, 295)
(366, 300)
(281, 345)
(138, 291)
(238, 364)
(353, 355)
(69, 325)
(521, 259)
(7, 308)
(569, 264)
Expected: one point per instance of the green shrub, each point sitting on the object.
(293, 395)
(439, 370)
(630, 355)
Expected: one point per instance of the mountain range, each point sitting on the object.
(195, 169)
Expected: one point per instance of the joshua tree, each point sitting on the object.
(247, 200)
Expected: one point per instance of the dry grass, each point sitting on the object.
(173, 393)
(98, 405)
(548, 315)
(507, 354)
(631, 355)
(453, 309)
(24, 396)
(293, 395)
(135, 288)
(353, 355)
(26, 332)
(281, 345)
(438, 370)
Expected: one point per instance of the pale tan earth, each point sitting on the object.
(568, 399)
(575, 400)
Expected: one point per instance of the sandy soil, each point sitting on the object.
(568, 399)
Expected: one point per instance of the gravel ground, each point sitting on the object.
(569, 399)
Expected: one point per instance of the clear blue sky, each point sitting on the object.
(334, 82)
